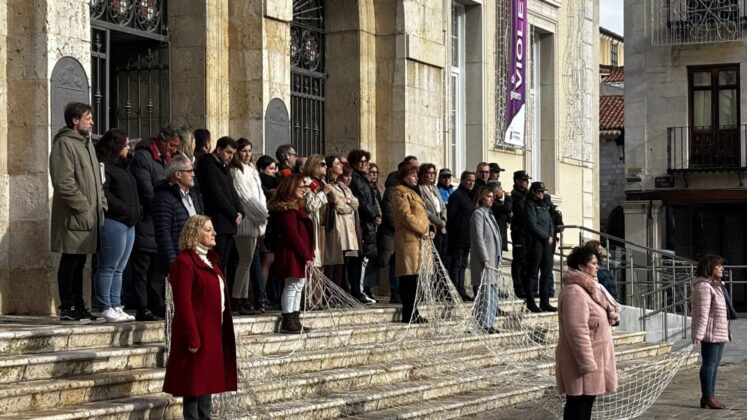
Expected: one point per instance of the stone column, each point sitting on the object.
(199, 72)
(259, 64)
(4, 187)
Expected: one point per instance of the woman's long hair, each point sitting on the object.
(311, 165)
(110, 145)
(422, 171)
(236, 161)
(286, 191)
(707, 264)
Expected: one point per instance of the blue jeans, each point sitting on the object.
(486, 303)
(116, 244)
(711, 353)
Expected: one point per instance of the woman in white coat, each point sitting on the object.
(340, 233)
(254, 205)
(485, 246)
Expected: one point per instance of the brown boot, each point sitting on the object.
(297, 321)
(711, 402)
(288, 326)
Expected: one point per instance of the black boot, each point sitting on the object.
(288, 326)
(297, 321)
(546, 307)
(532, 305)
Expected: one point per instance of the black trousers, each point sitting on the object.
(196, 408)
(224, 247)
(354, 268)
(518, 263)
(578, 407)
(457, 265)
(148, 282)
(539, 261)
(70, 279)
(408, 286)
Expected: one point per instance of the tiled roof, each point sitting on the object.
(611, 112)
(616, 75)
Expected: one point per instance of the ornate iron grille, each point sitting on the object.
(307, 76)
(676, 22)
(130, 89)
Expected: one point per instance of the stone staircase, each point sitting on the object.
(115, 371)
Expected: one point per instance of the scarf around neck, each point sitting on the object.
(596, 291)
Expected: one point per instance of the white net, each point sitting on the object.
(357, 361)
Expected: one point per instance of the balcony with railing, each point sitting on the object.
(707, 149)
(679, 22)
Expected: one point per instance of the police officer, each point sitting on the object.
(541, 238)
(518, 233)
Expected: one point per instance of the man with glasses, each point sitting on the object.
(483, 175)
(369, 219)
(149, 169)
(175, 201)
(287, 156)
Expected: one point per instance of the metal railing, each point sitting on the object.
(706, 148)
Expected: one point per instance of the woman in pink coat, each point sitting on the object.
(585, 357)
(202, 360)
(710, 325)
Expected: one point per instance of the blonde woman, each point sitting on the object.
(202, 358)
(341, 236)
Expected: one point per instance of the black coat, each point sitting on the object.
(537, 221)
(219, 195)
(385, 234)
(518, 201)
(459, 212)
(149, 169)
(269, 184)
(121, 195)
(367, 212)
(169, 217)
(502, 214)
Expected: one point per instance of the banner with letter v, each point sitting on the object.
(516, 109)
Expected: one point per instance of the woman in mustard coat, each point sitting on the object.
(410, 227)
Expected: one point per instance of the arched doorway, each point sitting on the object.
(307, 76)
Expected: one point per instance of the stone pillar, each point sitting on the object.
(259, 64)
(39, 33)
(199, 72)
(4, 187)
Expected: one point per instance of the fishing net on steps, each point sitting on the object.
(358, 359)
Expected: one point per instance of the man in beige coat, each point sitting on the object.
(78, 206)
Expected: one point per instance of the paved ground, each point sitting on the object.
(681, 398)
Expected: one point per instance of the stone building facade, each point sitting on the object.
(396, 77)
(685, 137)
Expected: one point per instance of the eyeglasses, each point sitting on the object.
(187, 170)
(293, 154)
(364, 162)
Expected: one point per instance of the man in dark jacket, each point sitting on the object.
(482, 174)
(175, 201)
(385, 236)
(369, 219)
(538, 224)
(557, 222)
(287, 157)
(221, 200)
(459, 212)
(518, 233)
(501, 210)
(148, 167)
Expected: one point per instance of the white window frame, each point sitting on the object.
(458, 81)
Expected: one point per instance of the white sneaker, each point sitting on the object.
(124, 315)
(111, 315)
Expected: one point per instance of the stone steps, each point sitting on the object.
(22, 368)
(46, 398)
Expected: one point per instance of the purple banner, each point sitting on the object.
(516, 109)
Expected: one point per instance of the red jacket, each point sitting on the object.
(198, 322)
(295, 244)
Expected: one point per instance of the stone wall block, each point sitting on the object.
(28, 148)
(27, 57)
(25, 17)
(278, 9)
(188, 30)
(189, 64)
(29, 245)
(29, 197)
(245, 33)
(277, 37)
(43, 281)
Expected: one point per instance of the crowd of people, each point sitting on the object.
(128, 207)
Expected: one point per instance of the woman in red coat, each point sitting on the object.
(202, 358)
(294, 252)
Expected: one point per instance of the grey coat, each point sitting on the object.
(434, 216)
(485, 242)
(78, 202)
